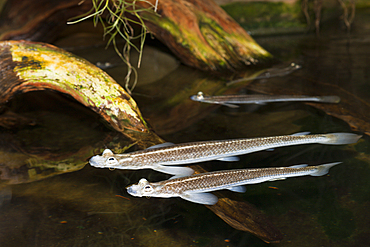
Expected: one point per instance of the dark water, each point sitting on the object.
(90, 207)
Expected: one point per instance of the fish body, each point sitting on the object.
(163, 157)
(231, 100)
(194, 188)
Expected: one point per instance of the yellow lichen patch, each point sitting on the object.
(55, 68)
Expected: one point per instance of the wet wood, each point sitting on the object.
(203, 35)
(12, 120)
(41, 20)
(199, 32)
(29, 66)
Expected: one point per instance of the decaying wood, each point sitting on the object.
(41, 20)
(198, 32)
(29, 66)
(203, 35)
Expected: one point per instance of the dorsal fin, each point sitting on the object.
(298, 166)
(162, 145)
(301, 133)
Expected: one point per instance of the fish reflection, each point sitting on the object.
(269, 73)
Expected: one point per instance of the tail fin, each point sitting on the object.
(324, 169)
(342, 138)
(329, 99)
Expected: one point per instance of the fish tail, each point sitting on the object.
(341, 138)
(329, 99)
(324, 169)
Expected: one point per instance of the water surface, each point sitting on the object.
(90, 207)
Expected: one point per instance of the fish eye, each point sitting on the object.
(148, 188)
(111, 160)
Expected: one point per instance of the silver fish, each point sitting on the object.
(194, 188)
(162, 157)
(231, 100)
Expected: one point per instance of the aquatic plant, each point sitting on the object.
(117, 18)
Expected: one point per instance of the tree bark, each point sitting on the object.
(202, 35)
(199, 32)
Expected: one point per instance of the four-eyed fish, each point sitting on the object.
(194, 188)
(162, 157)
(231, 100)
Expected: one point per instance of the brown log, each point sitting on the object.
(198, 32)
(202, 35)
(29, 66)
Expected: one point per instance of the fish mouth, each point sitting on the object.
(132, 191)
(195, 98)
(93, 162)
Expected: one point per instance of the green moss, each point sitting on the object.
(265, 15)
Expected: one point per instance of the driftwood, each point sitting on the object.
(203, 35)
(30, 66)
(198, 32)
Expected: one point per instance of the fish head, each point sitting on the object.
(197, 97)
(109, 160)
(143, 188)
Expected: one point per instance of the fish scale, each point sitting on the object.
(195, 188)
(164, 157)
(231, 100)
(182, 152)
(200, 182)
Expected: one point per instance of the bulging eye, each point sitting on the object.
(111, 160)
(148, 188)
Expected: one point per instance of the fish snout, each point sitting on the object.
(95, 161)
(132, 191)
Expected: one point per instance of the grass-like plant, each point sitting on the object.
(112, 14)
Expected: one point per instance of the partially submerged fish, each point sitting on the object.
(231, 100)
(194, 188)
(162, 157)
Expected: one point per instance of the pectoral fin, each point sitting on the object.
(230, 105)
(229, 159)
(201, 198)
(178, 171)
(240, 189)
(276, 179)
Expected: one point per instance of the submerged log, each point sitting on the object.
(30, 66)
(203, 35)
(198, 32)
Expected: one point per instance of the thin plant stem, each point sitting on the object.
(117, 24)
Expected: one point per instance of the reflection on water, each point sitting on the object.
(90, 207)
